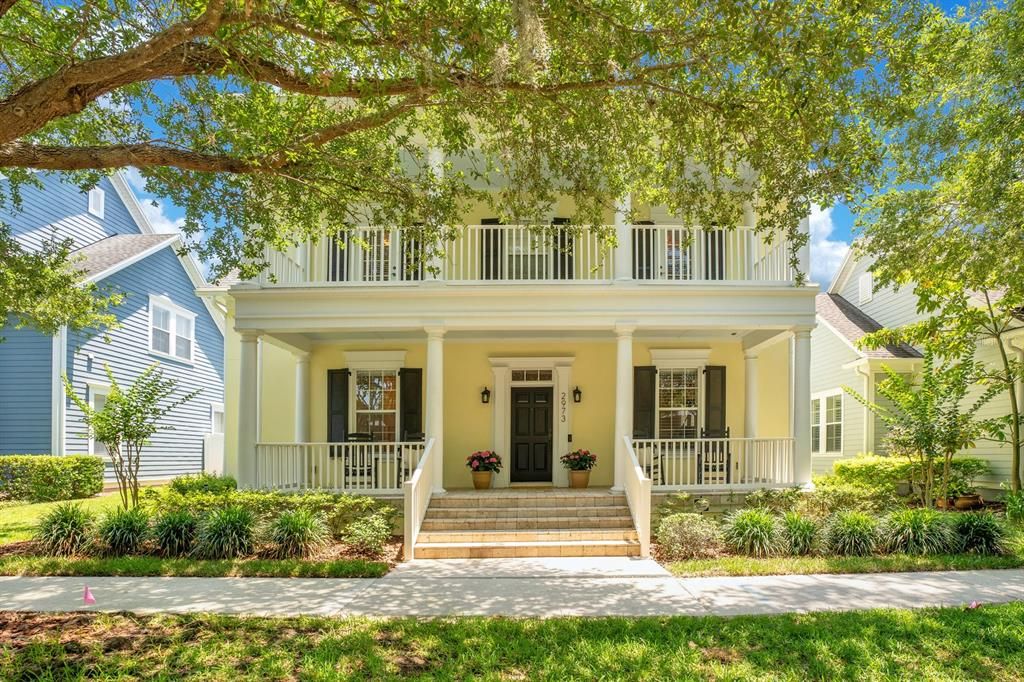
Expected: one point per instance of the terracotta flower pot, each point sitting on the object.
(482, 480)
(579, 479)
(968, 502)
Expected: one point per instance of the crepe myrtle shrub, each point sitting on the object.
(175, 532)
(122, 532)
(918, 531)
(65, 530)
(755, 532)
(800, 533)
(297, 533)
(851, 533)
(980, 533)
(689, 536)
(226, 533)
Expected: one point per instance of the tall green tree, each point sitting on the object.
(273, 121)
(947, 216)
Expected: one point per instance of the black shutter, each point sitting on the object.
(410, 381)
(337, 405)
(643, 253)
(413, 254)
(564, 257)
(714, 402)
(490, 250)
(337, 260)
(714, 255)
(644, 404)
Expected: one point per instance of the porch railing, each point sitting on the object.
(349, 467)
(637, 485)
(417, 491)
(485, 254)
(716, 463)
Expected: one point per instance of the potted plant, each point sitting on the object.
(963, 488)
(483, 464)
(579, 463)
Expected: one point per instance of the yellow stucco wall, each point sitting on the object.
(773, 392)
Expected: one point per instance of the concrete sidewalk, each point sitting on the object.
(516, 587)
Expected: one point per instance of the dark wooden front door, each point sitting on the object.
(531, 434)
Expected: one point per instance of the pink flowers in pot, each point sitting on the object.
(484, 460)
(579, 460)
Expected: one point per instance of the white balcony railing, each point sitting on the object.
(350, 467)
(716, 463)
(484, 254)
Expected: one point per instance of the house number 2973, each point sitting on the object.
(563, 401)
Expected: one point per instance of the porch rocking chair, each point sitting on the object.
(655, 468)
(359, 464)
(714, 461)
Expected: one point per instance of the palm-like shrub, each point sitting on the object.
(918, 531)
(689, 536)
(65, 530)
(297, 533)
(800, 533)
(175, 532)
(226, 533)
(851, 533)
(122, 531)
(980, 533)
(754, 532)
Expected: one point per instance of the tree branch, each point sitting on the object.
(6, 5)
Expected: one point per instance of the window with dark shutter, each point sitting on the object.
(714, 402)
(644, 407)
(491, 251)
(337, 405)
(411, 398)
(643, 251)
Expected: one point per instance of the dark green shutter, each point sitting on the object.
(491, 250)
(411, 396)
(337, 405)
(644, 405)
(714, 402)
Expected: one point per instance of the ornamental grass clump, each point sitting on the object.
(226, 533)
(754, 532)
(297, 533)
(65, 530)
(919, 531)
(689, 536)
(799, 533)
(175, 532)
(851, 533)
(981, 533)
(123, 531)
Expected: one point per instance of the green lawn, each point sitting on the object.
(981, 644)
(157, 566)
(891, 563)
(18, 519)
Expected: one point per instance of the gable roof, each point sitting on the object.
(845, 268)
(852, 324)
(107, 256)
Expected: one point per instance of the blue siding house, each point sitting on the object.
(162, 320)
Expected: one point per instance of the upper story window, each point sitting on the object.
(827, 423)
(97, 199)
(171, 329)
(865, 288)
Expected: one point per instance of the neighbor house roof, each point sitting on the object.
(852, 324)
(107, 256)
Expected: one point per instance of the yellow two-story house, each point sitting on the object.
(679, 355)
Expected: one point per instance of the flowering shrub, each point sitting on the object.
(484, 460)
(579, 460)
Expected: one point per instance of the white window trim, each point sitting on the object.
(353, 411)
(95, 388)
(823, 421)
(214, 408)
(97, 202)
(375, 359)
(680, 358)
(176, 311)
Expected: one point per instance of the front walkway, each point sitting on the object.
(517, 587)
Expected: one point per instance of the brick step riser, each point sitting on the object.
(484, 537)
(470, 552)
(568, 523)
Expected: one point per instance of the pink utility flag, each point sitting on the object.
(87, 596)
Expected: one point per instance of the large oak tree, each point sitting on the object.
(274, 121)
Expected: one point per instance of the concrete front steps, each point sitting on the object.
(553, 522)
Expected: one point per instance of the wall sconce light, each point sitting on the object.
(485, 395)
(577, 395)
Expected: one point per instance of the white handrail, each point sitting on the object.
(638, 495)
(417, 498)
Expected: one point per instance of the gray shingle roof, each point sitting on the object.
(853, 323)
(105, 254)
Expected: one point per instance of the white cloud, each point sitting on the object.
(159, 219)
(135, 179)
(826, 254)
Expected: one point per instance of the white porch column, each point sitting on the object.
(499, 421)
(801, 370)
(248, 406)
(624, 239)
(302, 397)
(435, 263)
(751, 388)
(623, 399)
(435, 401)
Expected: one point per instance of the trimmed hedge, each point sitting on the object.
(47, 478)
